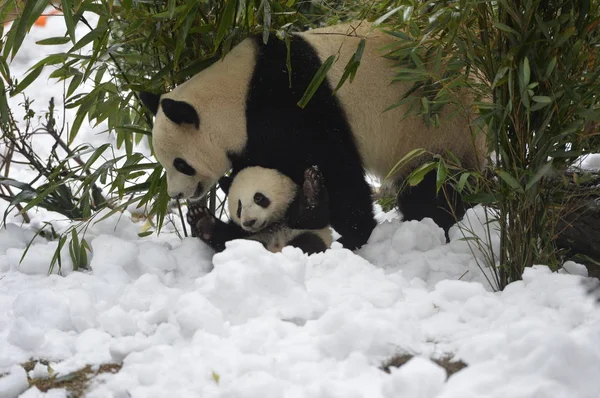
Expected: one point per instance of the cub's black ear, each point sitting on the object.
(225, 184)
(180, 112)
(150, 100)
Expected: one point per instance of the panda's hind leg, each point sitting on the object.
(309, 243)
(421, 201)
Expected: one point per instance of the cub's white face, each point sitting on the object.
(259, 197)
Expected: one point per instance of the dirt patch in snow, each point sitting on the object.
(76, 383)
(446, 363)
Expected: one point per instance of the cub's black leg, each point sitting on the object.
(211, 230)
(309, 243)
(421, 201)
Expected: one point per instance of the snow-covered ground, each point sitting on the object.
(285, 325)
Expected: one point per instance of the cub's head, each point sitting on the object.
(258, 197)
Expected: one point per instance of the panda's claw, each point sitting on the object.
(313, 180)
(202, 222)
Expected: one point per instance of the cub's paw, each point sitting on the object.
(313, 184)
(202, 222)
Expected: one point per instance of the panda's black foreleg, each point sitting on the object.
(420, 201)
(310, 209)
(212, 231)
(351, 209)
(309, 243)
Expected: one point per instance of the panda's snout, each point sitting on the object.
(178, 196)
(249, 223)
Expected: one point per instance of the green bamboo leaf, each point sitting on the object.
(4, 113)
(385, 16)
(67, 7)
(171, 8)
(226, 22)
(316, 81)
(542, 172)
(442, 173)
(462, 181)
(499, 75)
(550, 67)
(31, 11)
(88, 38)
(184, 31)
(506, 28)
(75, 126)
(266, 21)
(420, 172)
(510, 180)
(27, 80)
(526, 71)
(352, 65)
(97, 153)
(541, 99)
(53, 41)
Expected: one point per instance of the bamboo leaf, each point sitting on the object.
(53, 41)
(385, 16)
(462, 181)
(542, 172)
(420, 172)
(226, 22)
(550, 67)
(510, 180)
(442, 173)
(67, 7)
(75, 126)
(88, 38)
(316, 81)
(506, 28)
(267, 21)
(352, 65)
(541, 99)
(23, 84)
(31, 11)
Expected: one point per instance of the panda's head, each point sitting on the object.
(201, 122)
(192, 146)
(259, 197)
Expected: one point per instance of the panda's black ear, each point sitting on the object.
(225, 184)
(150, 100)
(180, 112)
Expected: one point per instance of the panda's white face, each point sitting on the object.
(192, 162)
(259, 197)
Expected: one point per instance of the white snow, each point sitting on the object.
(286, 325)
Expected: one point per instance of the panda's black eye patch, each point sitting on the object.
(183, 167)
(261, 200)
(239, 209)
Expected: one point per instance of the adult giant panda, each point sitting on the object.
(243, 112)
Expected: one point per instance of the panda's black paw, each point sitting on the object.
(313, 184)
(202, 222)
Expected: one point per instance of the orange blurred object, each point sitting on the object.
(41, 21)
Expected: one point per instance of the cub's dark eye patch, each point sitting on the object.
(239, 209)
(261, 200)
(183, 167)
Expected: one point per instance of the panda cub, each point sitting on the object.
(267, 206)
